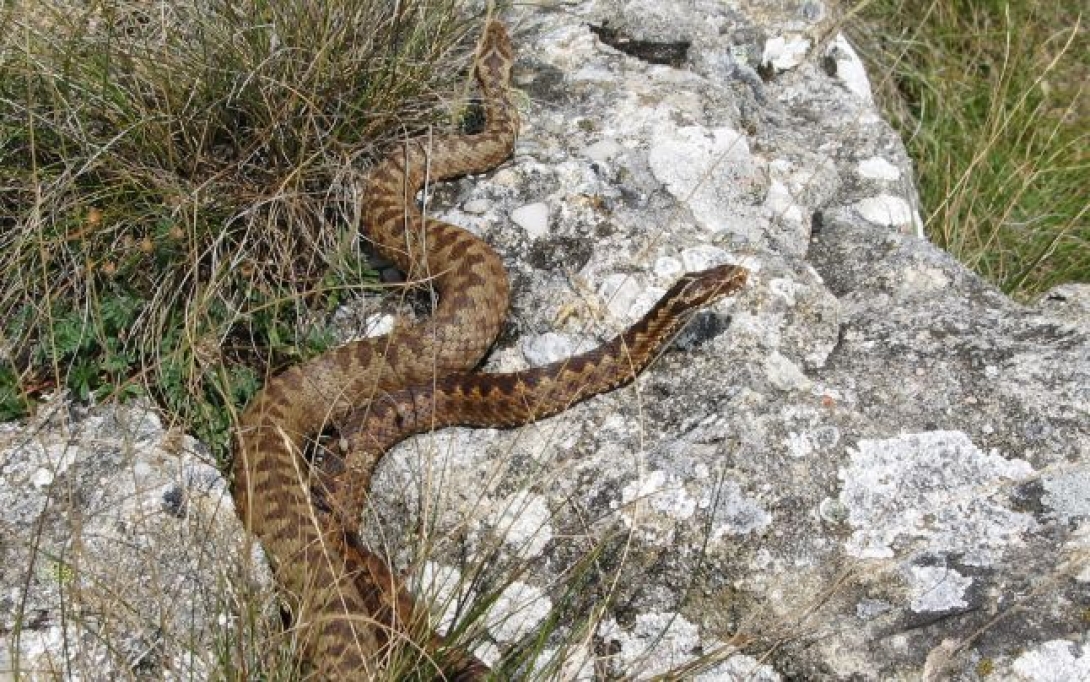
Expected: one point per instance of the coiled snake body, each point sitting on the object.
(348, 606)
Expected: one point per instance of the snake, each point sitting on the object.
(353, 617)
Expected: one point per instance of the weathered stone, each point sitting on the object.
(870, 465)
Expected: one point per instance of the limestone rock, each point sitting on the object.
(869, 464)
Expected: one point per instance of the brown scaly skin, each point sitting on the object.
(345, 602)
(516, 398)
(348, 604)
(507, 400)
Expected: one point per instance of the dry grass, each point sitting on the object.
(179, 184)
(178, 198)
(991, 98)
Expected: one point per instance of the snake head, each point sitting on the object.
(495, 55)
(697, 289)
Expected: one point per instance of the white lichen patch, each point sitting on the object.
(786, 289)
(656, 502)
(668, 268)
(922, 281)
(704, 256)
(444, 588)
(886, 210)
(805, 443)
(1054, 661)
(1067, 493)
(877, 168)
(784, 374)
(523, 519)
(659, 643)
(518, 611)
(736, 514)
(574, 663)
(711, 171)
(658, 492)
(931, 492)
(937, 588)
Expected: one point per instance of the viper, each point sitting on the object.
(352, 614)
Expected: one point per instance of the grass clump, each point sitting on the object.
(991, 98)
(179, 184)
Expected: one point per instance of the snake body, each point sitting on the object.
(344, 600)
(516, 398)
(350, 610)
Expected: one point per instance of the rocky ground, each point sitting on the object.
(869, 464)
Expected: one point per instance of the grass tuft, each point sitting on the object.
(179, 185)
(991, 98)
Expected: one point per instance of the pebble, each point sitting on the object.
(885, 209)
(534, 218)
(784, 54)
(877, 168)
(476, 206)
(603, 150)
(42, 478)
(849, 68)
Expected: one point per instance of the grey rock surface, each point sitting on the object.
(869, 464)
(121, 555)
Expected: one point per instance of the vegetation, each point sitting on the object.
(991, 99)
(179, 185)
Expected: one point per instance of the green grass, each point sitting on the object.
(180, 180)
(991, 99)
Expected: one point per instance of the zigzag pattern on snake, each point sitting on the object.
(351, 612)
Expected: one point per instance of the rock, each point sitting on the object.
(849, 69)
(533, 218)
(121, 549)
(869, 464)
(782, 53)
(886, 210)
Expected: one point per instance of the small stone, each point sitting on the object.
(603, 150)
(877, 168)
(886, 210)
(476, 206)
(849, 68)
(378, 325)
(534, 218)
(783, 54)
(42, 478)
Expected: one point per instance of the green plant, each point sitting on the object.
(179, 180)
(992, 100)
